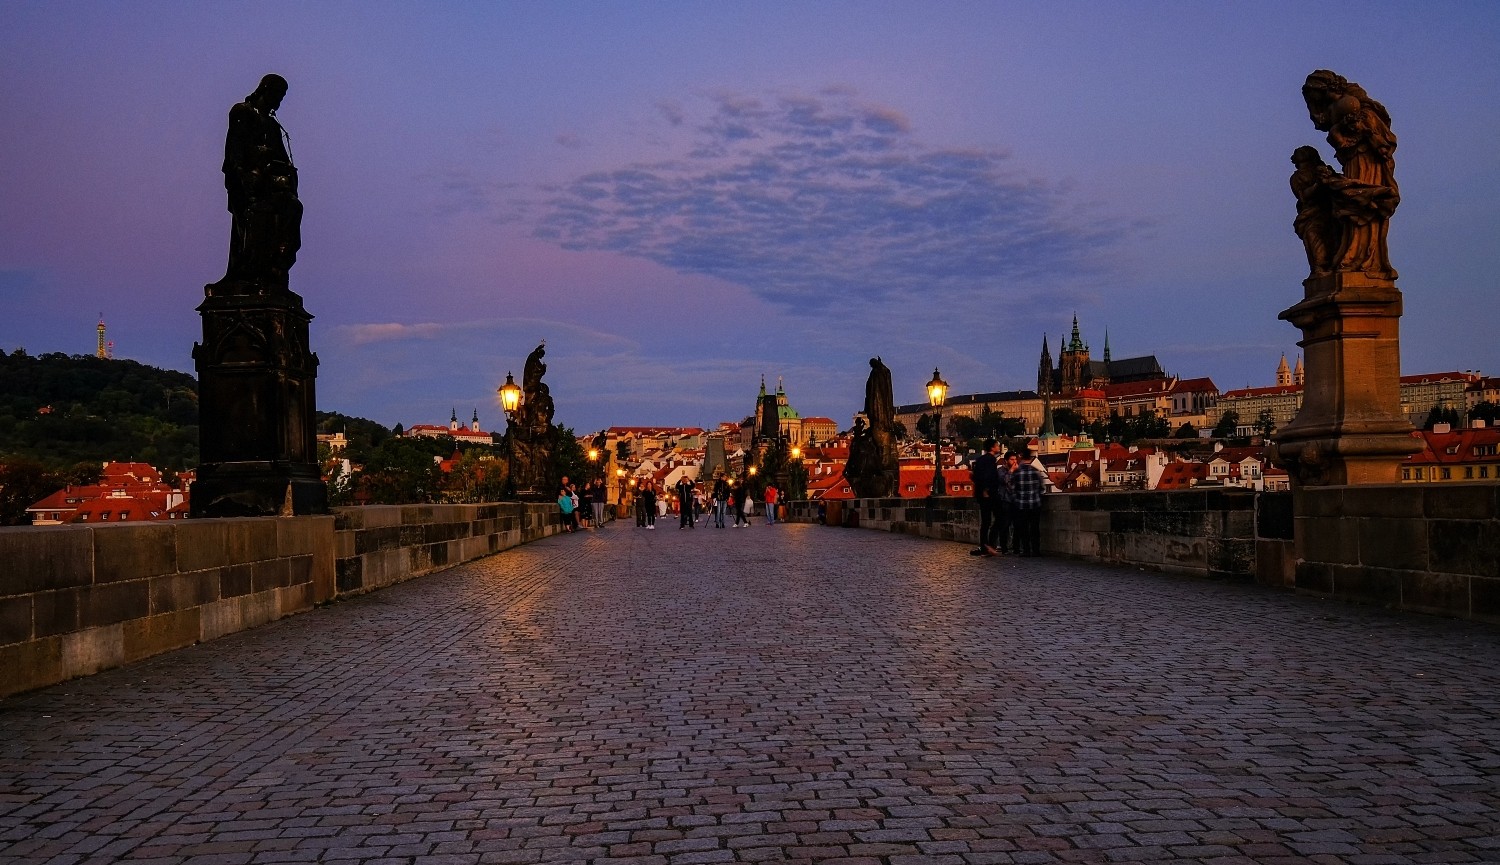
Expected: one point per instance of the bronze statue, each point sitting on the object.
(531, 430)
(873, 469)
(1365, 196)
(261, 181)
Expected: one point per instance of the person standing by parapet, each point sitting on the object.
(599, 498)
(565, 505)
(684, 490)
(1029, 484)
(985, 473)
(772, 496)
(1009, 540)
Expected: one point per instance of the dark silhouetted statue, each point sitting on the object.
(256, 368)
(531, 435)
(873, 469)
(261, 182)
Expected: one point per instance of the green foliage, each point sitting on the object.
(363, 435)
(1265, 423)
(1066, 421)
(1228, 423)
(1442, 414)
(1186, 431)
(1486, 411)
(59, 410)
(568, 458)
(404, 471)
(972, 431)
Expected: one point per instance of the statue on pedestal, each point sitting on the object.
(531, 430)
(256, 368)
(1350, 428)
(873, 469)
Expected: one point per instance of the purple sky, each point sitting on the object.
(681, 197)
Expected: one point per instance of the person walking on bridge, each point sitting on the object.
(684, 490)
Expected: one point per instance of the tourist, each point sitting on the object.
(598, 499)
(1028, 483)
(984, 471)
(685, 503)
(1008, 541)
(772, 495)
(577, 506)
(648, 502)
(565, 505)
(721, 499)
(640, 507)
(737, 502)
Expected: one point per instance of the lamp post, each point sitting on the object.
(937, 391)
(510, 400)
(510, 396)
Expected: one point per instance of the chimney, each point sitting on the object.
(1477, 423)
(1442, 428)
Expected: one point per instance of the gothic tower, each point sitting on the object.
(1044, 370)
(1074, 362)
(1283, 373)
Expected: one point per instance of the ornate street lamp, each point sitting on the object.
(510, 396)
(937, 391)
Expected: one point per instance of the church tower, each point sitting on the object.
(1074, 362)
(1283, 373)
(1044, 370)
(1298, 375)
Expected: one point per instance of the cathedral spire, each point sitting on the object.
(1076, 343)
(762, 385)
(1106, 345)
(1044, 370)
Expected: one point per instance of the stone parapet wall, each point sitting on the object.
(78, 599)
(1219, 533)
(1431, 548)
(384, 544)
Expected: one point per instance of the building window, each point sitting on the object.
(1447, 473)
(1484, 471)
(1420, 473)
(1468, 472)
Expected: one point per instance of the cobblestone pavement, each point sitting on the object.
(770, 694)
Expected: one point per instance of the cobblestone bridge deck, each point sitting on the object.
(778, 693)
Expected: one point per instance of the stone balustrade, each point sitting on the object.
(78, 599)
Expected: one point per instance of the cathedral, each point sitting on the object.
(1076, 371)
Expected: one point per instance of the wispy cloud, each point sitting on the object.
(823, 200)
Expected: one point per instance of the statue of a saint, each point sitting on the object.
(1365, 195)
(1313, 183)
(873, 469)
(266, 231)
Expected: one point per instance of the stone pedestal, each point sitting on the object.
(1350, 429)
(257, 427)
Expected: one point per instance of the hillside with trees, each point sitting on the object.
(61, 410)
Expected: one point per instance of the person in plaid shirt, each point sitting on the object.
(1027, 484)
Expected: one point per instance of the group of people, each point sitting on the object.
(582, 508)
(1009, 491)
(713, 502)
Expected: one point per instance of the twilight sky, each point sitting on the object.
(682, 196)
